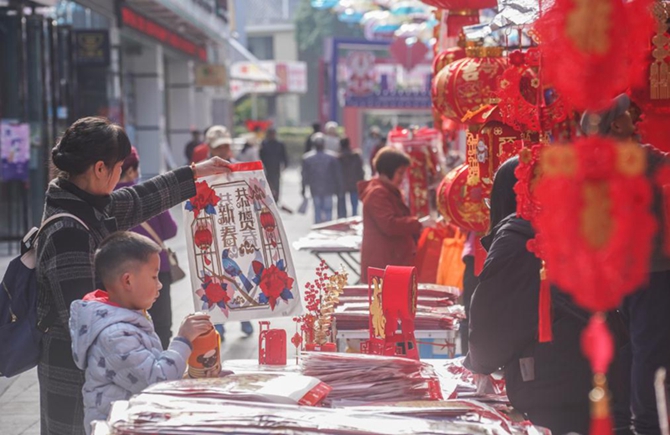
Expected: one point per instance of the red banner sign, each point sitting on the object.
(136, 21)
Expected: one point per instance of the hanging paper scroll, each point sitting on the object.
(239, 257)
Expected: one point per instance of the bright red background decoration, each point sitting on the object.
(595, 221)
(594, 49)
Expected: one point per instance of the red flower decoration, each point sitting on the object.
(273, 282)
(215, 293)
(205, 199)
(517, 58)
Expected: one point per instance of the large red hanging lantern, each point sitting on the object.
(466, 84)
(440, 61)
(461, 203)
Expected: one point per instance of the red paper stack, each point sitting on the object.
(358, 379)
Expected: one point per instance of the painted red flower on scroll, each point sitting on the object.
(275, 284)
(205, 199)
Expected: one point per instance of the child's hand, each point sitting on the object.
(194, 325)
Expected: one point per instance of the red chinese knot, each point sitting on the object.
(595, 221)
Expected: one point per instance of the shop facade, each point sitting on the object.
(132, 61)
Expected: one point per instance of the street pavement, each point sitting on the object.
(19, 396)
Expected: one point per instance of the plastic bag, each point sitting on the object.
(451, 267)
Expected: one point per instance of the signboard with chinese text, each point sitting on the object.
(258, 78)
(91, 47)
(239, 256)
(14, 151)
(162, 34)
(211, 75)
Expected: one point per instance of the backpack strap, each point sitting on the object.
(28, 241)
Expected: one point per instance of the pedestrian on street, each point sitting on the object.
(390, 232)
(321, 171)
(548, 382)
(249, 152)
(89, 157)
(352, 173)
(274, 158)
(373, 155)
(159, 228)
(192, 144)
(316, 128)
(372, 142)
(332, 137)
(218, 143)
(647, 309)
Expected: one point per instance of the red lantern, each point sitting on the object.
(441, 60)
(202, 238)
(462, 203)
(466, 84)
(268, 220)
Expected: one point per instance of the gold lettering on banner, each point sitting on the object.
(588, 25)
(471, 142)
(659, 70)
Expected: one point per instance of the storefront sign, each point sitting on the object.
(257, 78)
(92, 47)
(211, 75)
(14, 151)
(148, 27)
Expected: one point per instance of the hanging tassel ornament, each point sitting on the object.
(545, 332)
(598, 346)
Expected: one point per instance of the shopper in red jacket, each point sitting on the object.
(389, 231)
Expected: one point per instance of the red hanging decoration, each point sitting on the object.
(467, 84)
(592, 49)
(524, 102)
(598, 248)
(461, 203)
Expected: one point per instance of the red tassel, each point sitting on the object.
(545, 332)
(601, 426)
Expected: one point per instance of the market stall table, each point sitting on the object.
(341, 238)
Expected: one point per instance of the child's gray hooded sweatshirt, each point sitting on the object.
(120, 353)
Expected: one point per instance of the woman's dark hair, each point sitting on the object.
(388, 160)
(503, 198)
(87, 141)
(345, 143)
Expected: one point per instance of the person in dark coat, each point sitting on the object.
(647, 309)
(309, 145)
(164, 227)
(321, 172)
(89, 157)
(192, 144)
(548, 382)
(274, 158)
(390, 232)
(352, 172)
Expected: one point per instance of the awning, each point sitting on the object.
(263, 74)
(197, 24)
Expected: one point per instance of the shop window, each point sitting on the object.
(261, 47)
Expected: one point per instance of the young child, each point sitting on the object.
(113, 338)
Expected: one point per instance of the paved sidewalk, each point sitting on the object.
(19, 396)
